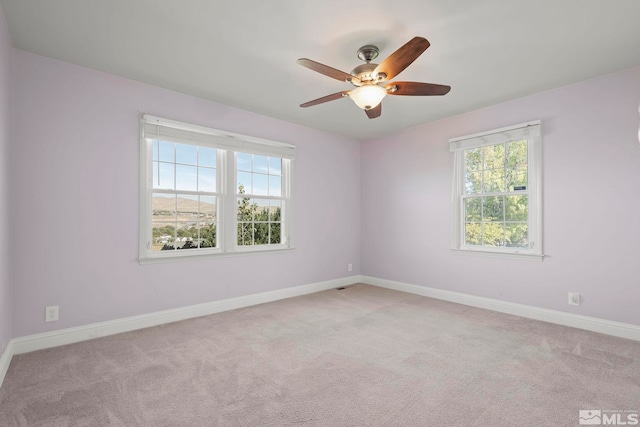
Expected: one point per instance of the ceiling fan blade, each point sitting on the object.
(325, 69)
(372, 113)
(327, 98)
(402, 58)
(416, 89)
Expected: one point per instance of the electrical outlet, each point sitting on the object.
(574, 298)
(51, 313)
(349, 267)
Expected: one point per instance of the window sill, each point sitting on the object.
(495, 254)
(192, 257)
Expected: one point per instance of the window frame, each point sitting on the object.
(227, 146)
(529, 131)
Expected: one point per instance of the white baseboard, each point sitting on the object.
(96, 330)
(617, 329)
(81, 333)
(5, 361)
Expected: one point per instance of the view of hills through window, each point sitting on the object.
(184, 221)
(189, 222)
(185, 199)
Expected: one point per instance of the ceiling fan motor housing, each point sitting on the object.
(364, 72)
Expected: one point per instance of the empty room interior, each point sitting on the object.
(420, 213)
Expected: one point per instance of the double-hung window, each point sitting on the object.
(497, 191)
(209, 192)
(260, 199)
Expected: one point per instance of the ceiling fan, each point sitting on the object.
(370, 80)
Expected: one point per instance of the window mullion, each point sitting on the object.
(230, 218)
(186, 192)
(482, 198)
(504, 198)
(175, 221)
(496, 194)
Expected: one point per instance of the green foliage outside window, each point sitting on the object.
(496, 205)
(206, 239)
(257, 225)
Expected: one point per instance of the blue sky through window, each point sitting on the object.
(183, 167)
(260, 175)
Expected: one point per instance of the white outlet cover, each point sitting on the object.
(574, 298)
(51, 313)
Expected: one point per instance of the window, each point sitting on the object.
(260, 200)
(209, 192)
(496, 191)
(184, 197)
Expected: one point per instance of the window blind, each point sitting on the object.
(499, 136)
(184, 133)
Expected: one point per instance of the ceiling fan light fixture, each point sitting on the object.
(368, 96)
(370, 80)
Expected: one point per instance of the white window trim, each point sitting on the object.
(227, 145)
(534, 186)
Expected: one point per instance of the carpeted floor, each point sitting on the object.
(362, 356)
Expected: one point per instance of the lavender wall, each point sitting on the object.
(5, 278)
(75, 201)
(591, 172)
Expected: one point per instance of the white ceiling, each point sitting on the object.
(243, 53)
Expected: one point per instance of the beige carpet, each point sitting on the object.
(362, 356)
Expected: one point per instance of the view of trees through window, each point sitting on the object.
(496, 204)
(259, 221)
(259, 199)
